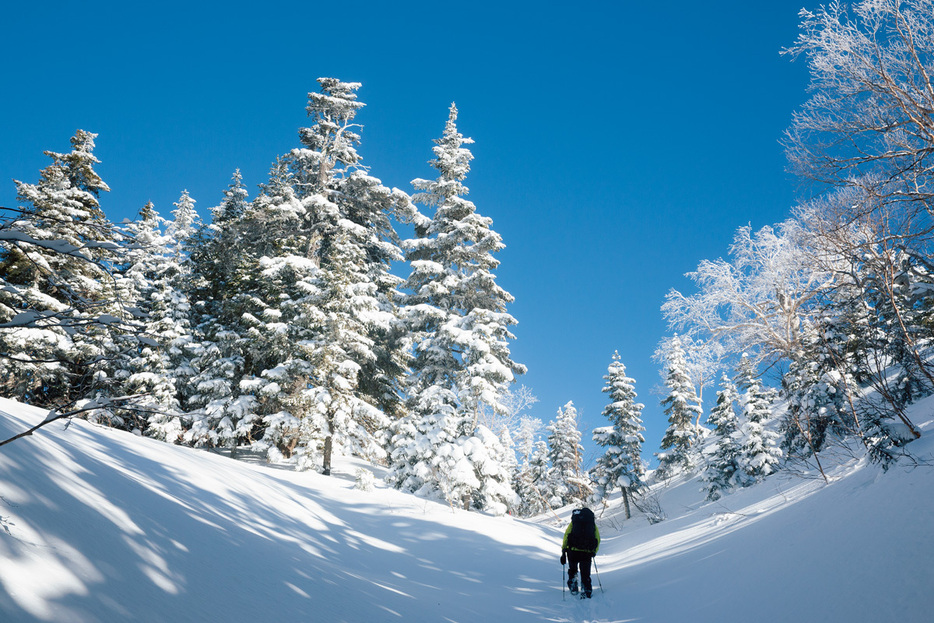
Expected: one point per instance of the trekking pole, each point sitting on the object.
(562, 581)
(597, 572)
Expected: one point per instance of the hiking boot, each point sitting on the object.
(572, 586)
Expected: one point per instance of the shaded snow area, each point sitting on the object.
(99, 525)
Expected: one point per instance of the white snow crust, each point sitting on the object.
(99, 525)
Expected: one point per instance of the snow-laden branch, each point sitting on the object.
(757, 300)
(871, 116)
(67, 412)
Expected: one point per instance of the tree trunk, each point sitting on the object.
(327, 455)
(626, 502)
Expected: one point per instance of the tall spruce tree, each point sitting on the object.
(568, 483)
(533, 490)
(218, 257)
(331, 356)
(459, 330)
(222, 281)
(532, 467)
(621, 466)
(185, 223)
(819, 384)
(337, 409)
(759, 454)
(722, 471)
(150, 278)
(682, 406)
(58, 299)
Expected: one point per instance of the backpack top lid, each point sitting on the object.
(583, 514)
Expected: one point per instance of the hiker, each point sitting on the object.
(580, 545)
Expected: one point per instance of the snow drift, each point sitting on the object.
(100, 525)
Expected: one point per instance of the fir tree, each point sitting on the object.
(225, 277)
(461, 242)
(682, 407)
(150, 278)
(184, 224)
(490, 461)
(723, 458)
(759, 454)
(893, 315)
(329, 357)
(337, 409)
(534, 481)
(819, 386)
(567, 481)
(243, 258)
(211, 260)
(457, 320)
(509, 461)
(58, 294)
(218, 257)
(420, 440)
(620, 467)
(532, 467)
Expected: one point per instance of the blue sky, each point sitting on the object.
(617, 143)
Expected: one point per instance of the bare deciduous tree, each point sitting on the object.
(870, 121)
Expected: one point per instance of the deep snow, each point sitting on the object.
(100, 525)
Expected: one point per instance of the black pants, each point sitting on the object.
(582, 560)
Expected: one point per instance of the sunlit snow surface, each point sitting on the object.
(100, 525)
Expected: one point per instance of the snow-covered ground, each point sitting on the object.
(99, 525)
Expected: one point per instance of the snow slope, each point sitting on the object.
(99, 525)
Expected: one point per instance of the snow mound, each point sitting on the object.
(99, 525)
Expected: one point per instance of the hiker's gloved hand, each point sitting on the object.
(564, 558)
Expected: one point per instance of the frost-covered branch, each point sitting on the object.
(870, 121)
(754, 302)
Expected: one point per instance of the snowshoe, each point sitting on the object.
(572, 586)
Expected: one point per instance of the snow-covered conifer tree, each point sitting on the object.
(150, 278)
(702, 358)
(567, 481)
(620, 467)
(682, 407)
(759, 454)
(337, 409)
(819, 386)
(493, 463)
(723, 455)
(329, 358)
(210, 257)
(532, 468)
(463, 243)
(58, 298)
(509, 461)
(533, 490)
(185, 222)
(527, 432)
(223, 279)
(457, 319)
(218, 256)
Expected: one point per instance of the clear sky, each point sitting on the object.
(618, 143)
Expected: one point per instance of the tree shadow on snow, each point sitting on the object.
(117, 532)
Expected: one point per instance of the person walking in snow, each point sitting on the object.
(580, 545)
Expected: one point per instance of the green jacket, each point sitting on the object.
(564, 544)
